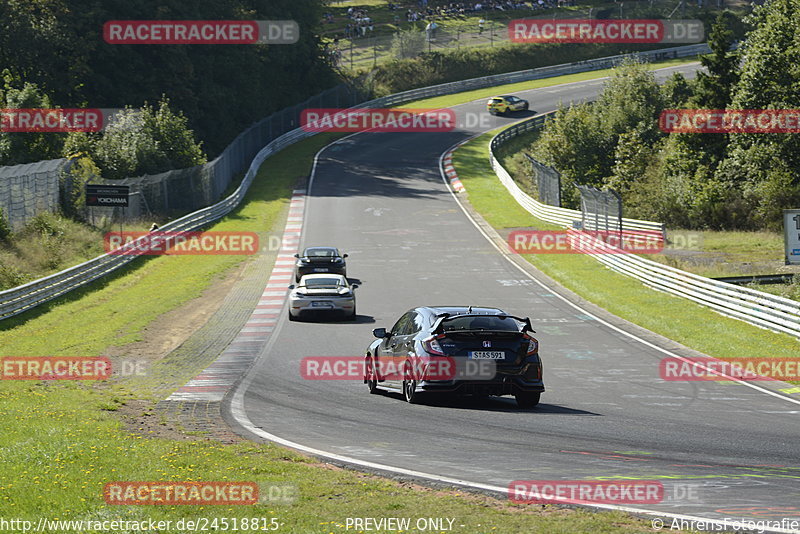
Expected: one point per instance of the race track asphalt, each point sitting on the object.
(721, 450)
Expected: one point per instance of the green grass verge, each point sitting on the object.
(62, 441)
(679, 319)
(468, 96)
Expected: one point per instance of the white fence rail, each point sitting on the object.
(755, 307)
(22, 298)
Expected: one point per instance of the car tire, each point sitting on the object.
(527, 400)
(352, 316)
(370, 375)
(291, 317)
(409, 387)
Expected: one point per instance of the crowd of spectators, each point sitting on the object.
(457, 9)
(359, 23)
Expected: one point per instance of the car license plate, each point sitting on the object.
(321, 304)
(321, 270)
(488, 355)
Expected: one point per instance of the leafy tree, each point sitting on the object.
(583, 140)
(144, 141)
(631, 101)
(222, 89)
(677, 91)
(408, 43)
(26, 147)
(764, 166)
(574, 143)
(713, 88)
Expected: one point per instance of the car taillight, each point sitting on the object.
(432, 346)
(533, 345)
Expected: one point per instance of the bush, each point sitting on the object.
(408, 43)
(143, 141)
(5, 229)
(73, 186)
(439, 67)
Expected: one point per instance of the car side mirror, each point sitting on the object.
(380, 333)
(344, 255)
(291, 286)
(354, 286)
(297, 255)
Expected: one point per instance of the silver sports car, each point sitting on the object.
(318, 294)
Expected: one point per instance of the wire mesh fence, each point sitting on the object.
(30, 189)
(548, 182)
(601, 210)
(185, 190)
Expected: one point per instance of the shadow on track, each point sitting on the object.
(487, 404)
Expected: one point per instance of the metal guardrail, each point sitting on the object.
(757, 279)
(25, 297)
(755, 307)
(562, 216)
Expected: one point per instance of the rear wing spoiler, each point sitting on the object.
(444, 317)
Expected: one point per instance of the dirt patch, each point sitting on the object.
(158, 341)
(189, 422)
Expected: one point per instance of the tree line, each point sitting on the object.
(187, 101)
(692, 180)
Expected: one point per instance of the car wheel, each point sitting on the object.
(292, 317)
(409, 387)
(352, 316)
(527, 400)
(371, 375)
(527, 107)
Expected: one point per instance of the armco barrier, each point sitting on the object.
(22, 298)
(553, 214)
(755, 307)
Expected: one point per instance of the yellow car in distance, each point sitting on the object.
(502, 105)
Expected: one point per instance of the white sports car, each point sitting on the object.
(318, 294)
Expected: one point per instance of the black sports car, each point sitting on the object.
(410, 356)
(316, 260)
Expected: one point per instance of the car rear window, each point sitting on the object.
(484, 322)
(320, 252)
(320, 282)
